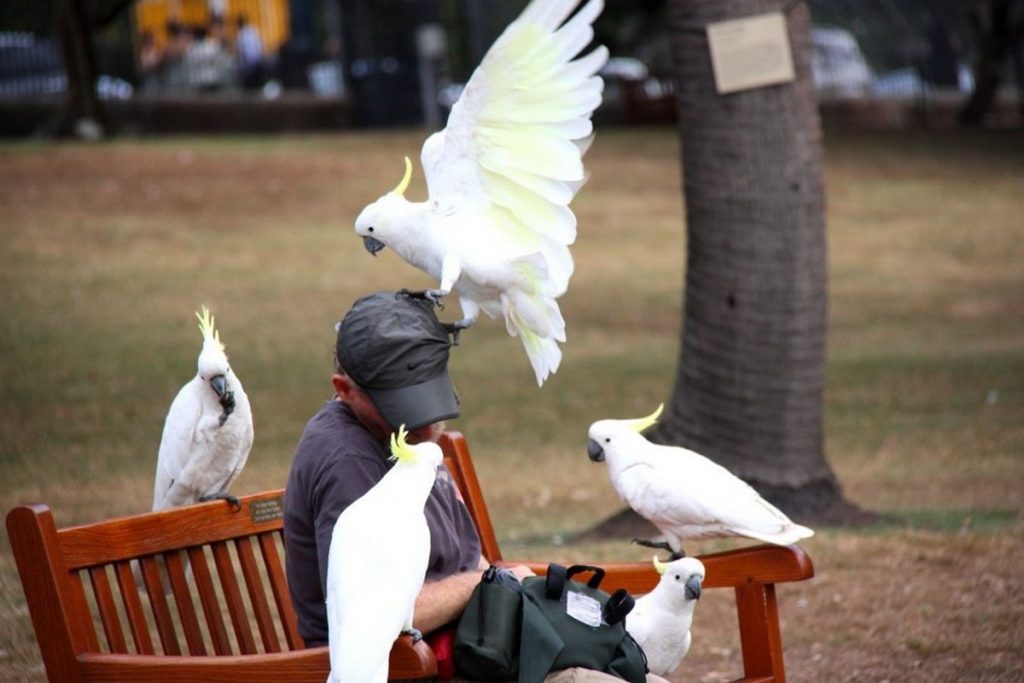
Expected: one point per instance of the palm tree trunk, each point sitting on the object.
(83, 112)
(751, 373)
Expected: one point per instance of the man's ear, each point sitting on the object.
(342, 386)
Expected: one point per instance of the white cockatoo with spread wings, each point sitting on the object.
(497, 226)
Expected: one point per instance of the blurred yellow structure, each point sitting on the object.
(269, 16)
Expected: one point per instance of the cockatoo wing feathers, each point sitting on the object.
(176, 442)
(510, 137)
(684, 487)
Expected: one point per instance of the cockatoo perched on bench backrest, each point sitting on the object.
(377, 563)
(207, 433)
(682, 493)
(497, 226)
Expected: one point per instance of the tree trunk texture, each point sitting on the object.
(750, 382)
(994, 35)
(751, 374)
(82, 104)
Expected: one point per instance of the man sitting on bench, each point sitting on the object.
(391, 368)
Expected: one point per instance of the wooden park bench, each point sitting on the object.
(93, 623)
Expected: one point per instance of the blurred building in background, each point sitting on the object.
(212, 65)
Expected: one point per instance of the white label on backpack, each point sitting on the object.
(583, 608)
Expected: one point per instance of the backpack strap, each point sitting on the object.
(619, 604)
(557, 576)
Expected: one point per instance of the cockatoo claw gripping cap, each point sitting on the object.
(396, 350)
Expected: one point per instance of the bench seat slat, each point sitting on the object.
(407, 660)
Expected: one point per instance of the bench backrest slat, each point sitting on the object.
(158, 606)
(209, 601)
(133, 608)
(279, 587)
(257, 595)
(233, 598)
(176, 572)
(108, 610)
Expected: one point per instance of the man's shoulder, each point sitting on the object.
(333, 434)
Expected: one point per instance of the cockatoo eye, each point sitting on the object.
(369, 229)
(678, 577)
(608, 439)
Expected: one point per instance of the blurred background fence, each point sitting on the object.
(212, 65)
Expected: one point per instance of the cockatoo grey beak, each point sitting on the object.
(595, 451)
(219, 384)
(372, 245)
(693, 588)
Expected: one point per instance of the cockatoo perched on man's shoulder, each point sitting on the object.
(497, 226)
(207, 433)
(376, 565)
(682, 493)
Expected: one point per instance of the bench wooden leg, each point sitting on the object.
(759, 632)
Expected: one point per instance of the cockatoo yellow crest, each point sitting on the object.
(496, 227)
(643, 423)
(404, 184)
(400, 449)
(206, 326)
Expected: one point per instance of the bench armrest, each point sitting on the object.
(761, 564)
(752, 573)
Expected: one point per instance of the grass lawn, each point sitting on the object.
(105, 252)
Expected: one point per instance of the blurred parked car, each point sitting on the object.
(32, 66)
(839, 66)
(907, 82)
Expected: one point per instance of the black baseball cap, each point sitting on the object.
(396, 350)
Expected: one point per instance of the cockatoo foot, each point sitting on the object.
(456, 327)
(662, 545)
(414, 633)
(235, 504)
(434, 296)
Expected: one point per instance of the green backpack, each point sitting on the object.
(521, 632)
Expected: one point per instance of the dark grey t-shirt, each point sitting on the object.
(335, 463)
